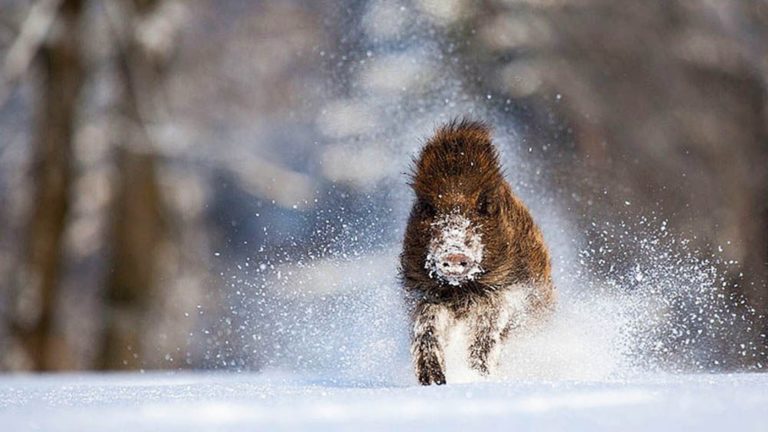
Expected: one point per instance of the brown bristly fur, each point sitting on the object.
(458, 170)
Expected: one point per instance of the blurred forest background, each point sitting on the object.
(148, 146)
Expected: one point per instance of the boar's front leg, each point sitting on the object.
(486, 330)
(429, 324)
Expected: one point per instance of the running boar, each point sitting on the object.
(472, 253)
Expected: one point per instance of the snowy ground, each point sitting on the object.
(234, 402)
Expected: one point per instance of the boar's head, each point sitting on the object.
(460, 233)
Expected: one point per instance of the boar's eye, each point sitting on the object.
(425, 208)
(485, 205)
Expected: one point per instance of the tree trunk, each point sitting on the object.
(138, 230)
(61, 66)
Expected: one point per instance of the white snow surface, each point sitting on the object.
(277, 401)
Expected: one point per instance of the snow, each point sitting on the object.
(282, 401)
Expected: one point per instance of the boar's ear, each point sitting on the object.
(488, 203)
(424, 207)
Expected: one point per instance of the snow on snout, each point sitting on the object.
(453, 235)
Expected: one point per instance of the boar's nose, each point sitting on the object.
(455, 264)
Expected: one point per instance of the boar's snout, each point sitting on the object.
(455, 264)
(455, 250)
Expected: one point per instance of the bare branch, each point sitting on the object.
(31, 37)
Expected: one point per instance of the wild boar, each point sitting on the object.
(472, 253)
